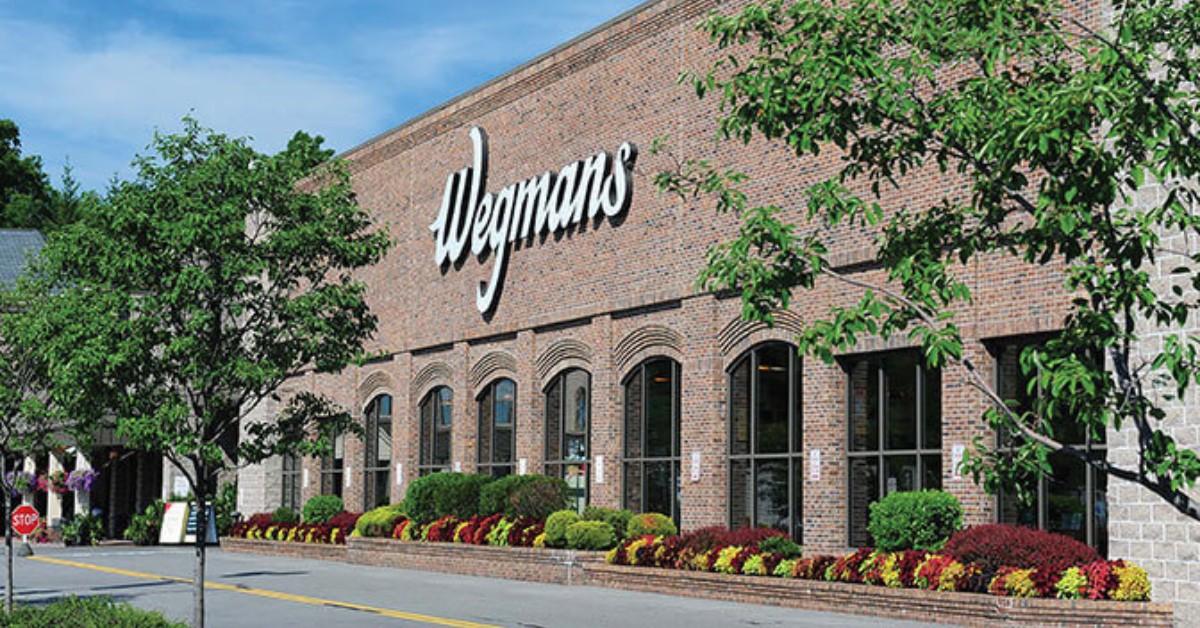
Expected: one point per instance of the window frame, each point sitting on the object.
(333, 468)
(881, 453)
(1091, 448)
(557, 467)
(428, 431)
(290, 473)
(488, 464)
(794, 452)
(675, 459)
(372, 469)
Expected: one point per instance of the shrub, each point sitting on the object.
(652, 523)
(379, 521)
(433, 496)
(514, 496)
(590, 535)
(322, 508)
(85, 611)
(1001, 545)
(781, 545)
(283, 514)
(921, 520)
(224, 505)
(144, 526)
(82, 530)
(617, 518)
(556, 527)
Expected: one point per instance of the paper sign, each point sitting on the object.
(458, 466)
(399, 474)
(891, 485)
(305, 478)
(522, 465)
(695, 471)
(599, 469)
(956, 458)
(814, 465)
(347, 474)
(175, 516)
(180, 486)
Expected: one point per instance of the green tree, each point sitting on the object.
(1051, 121)
(25, 192)
(213, 277)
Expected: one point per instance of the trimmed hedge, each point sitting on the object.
(650, 523)
(322, 508)
(283, 514)
(556, 527)
(617, 518)
(536, 496)
(380, 521)
(590, 535)
(431, 497)
(920, 520)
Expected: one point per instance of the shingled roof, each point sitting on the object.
(16, 247)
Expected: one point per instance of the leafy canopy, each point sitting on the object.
(1052, 121)
(192, 293)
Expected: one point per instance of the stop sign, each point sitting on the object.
(25, 519)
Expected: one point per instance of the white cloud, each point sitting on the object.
(118, 90)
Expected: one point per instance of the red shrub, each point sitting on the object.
(845, 569)
(485, 525)
(442, 530)
(523, 531)
(261, 519)
(1001, 545)
(907, 565)
(344, 520)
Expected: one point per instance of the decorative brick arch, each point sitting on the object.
(560, 354)
(430, 375)
(489, 365)
(739, 334)
(375, 383)
(643, 340)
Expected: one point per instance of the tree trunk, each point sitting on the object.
(8, 536)
(201, 490)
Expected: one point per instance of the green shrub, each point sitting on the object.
(781, 545)
(380, 521)
(653, 523)
(224, 506)
(433, 496)
(144, 526)
(617, 518)
(556, 527)
(590, 535)
(514, 496)
(283, 514)
(920, 520)
(82, 530)
(85, 611)
(322, 508)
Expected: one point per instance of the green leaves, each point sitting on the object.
(1059, 147)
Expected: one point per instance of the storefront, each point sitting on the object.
(539, 314)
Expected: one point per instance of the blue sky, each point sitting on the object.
(91, 81)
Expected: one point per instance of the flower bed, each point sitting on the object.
(263, 527)
(913, 569)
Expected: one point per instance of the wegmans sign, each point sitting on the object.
(471, 219)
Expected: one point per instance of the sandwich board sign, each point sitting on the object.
(175, 516)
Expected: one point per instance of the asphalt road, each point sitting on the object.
(250, 590)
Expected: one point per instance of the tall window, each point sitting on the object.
(652, 437)
(568, 413)
(332, 466)
(497, 428)
(437, 417)
(895, 439)
(766, 463)
(1072, 498)
(378, 457)
(291, 482)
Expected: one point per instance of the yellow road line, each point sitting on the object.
(275, 595)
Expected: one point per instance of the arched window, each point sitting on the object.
(378, 456)
(497, 428)
(568, 420)
(437, 418)
(332, 466)
(766, 439)
(651, 479)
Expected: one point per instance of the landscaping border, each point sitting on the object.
(571, 567)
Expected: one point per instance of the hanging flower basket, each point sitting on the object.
(56, 482)
(81, 480)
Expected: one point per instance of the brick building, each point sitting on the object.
(599, 359)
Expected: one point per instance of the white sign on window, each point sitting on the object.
(956, 458)
(599, 469)
(695, 474)
(399, 474)
(522, 465)
(814, 465)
